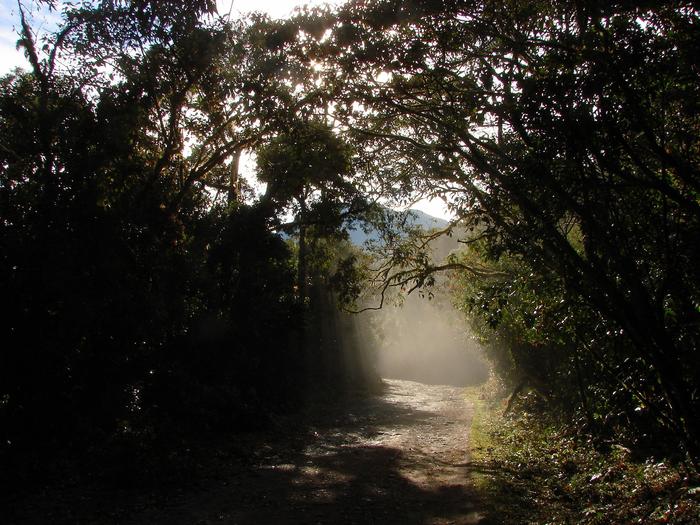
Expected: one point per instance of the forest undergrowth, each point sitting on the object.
(531, 468)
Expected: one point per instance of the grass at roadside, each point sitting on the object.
(528, 469)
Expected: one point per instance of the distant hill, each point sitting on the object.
(416, 217)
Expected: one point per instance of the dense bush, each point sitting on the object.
(137, 307)
(543, 339)
(143, 301)
(113, 306)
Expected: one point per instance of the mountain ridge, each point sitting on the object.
(359, 237)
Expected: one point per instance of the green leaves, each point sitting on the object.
(309, 155)
(561, 124)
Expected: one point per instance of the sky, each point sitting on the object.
(11, 58)
(9, 21)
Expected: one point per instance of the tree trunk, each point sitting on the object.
(234, 189)
(303, 254)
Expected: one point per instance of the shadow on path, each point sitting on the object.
(399, 457)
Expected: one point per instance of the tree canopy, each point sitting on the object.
(140, 280)
(561, 134)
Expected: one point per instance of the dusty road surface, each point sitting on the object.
(396, 457)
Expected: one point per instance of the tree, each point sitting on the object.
(119, 266)
(307, 168)
(538, 119)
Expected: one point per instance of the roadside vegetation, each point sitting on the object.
(530, 468)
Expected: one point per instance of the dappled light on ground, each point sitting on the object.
(397, 457)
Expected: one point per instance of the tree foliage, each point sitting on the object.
(138, 305)
(562, 134)
(139, 286)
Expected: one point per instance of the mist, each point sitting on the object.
(427, 341)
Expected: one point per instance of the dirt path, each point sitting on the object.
(398, 457)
